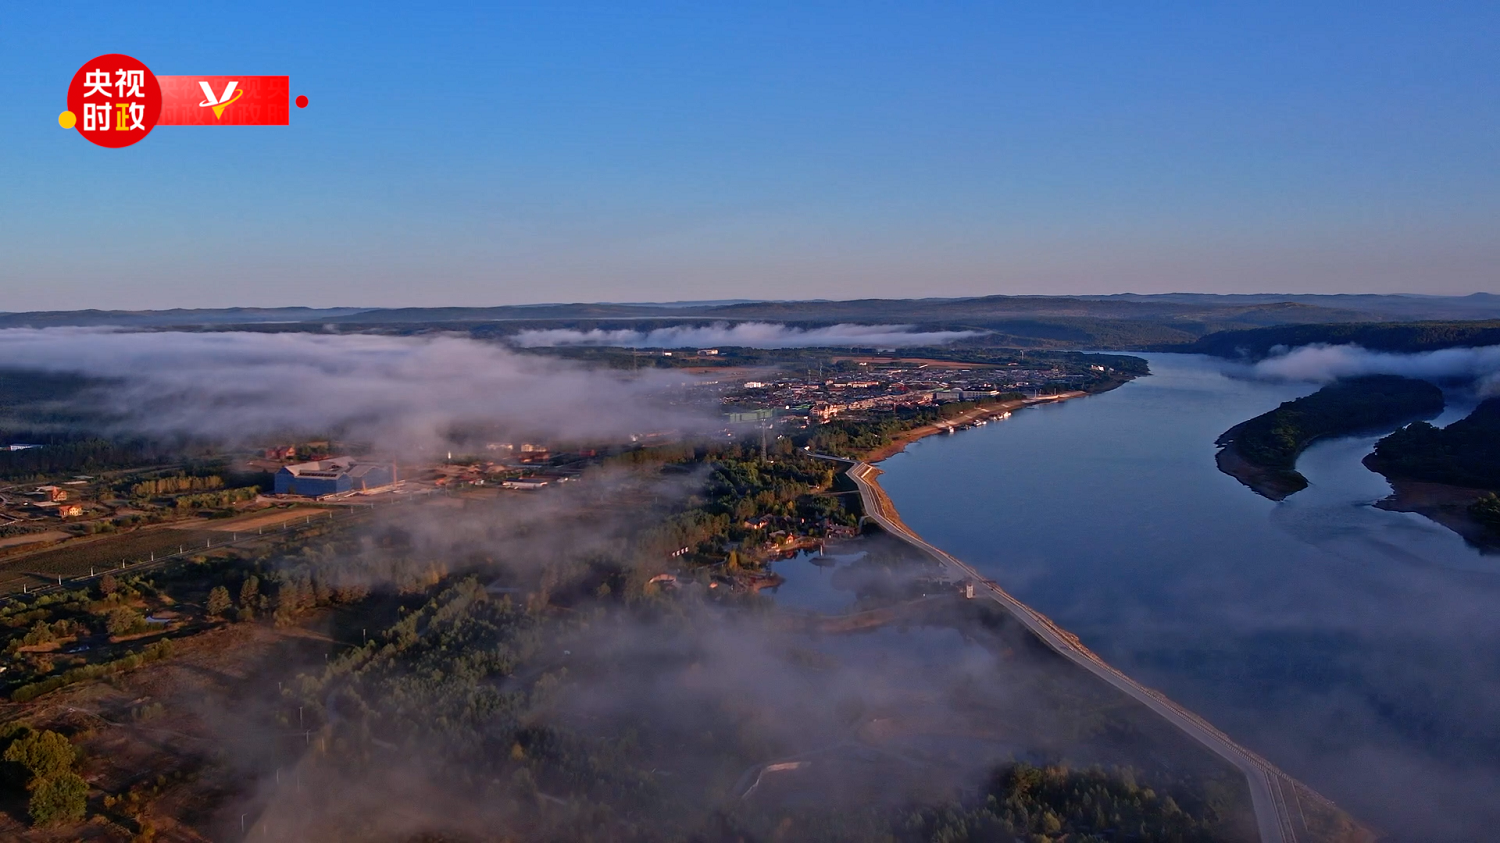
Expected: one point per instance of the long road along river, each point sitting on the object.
(1357, 649)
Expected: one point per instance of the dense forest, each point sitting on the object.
(475, 693)
(69, 454)
(1465, 453)
(1052, 802)
(1402, 337)
(1271, 442)
(44, 408)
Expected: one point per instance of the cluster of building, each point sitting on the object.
(44, 501)
(523, 466)
(817, 399)
(526, 453)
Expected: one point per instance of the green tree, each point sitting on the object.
(250, 592)
(1487, 510)
(218, 601)
(123, 621)
(57, 799)
(41, 755)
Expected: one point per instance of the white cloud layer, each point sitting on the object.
(1324, 363)
(744, 334)
(398, 392)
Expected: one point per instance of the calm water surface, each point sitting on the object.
(1356, 648)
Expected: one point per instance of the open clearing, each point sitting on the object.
(253, 521)
(34, 538)
(76, 558)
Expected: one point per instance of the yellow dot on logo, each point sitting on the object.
(67, 119)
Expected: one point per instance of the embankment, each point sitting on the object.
(899, 442)
(1282, 805)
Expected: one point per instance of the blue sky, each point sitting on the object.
(508, 153)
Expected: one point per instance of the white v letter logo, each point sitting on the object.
(218, 104)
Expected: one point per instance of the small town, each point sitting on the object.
(756, 404)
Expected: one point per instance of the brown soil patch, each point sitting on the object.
(246, 523)
(34, 538)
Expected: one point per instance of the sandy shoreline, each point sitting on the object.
(1443, 504)
(901, 440)
(1276, 484)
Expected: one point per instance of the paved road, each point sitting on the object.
(1270, 789)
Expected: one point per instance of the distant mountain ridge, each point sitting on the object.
(1407, 306)
(1179, 321)
(163, 318)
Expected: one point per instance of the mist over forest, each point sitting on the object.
(607, 657)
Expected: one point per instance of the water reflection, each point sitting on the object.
(810, 580)
(1355, 647)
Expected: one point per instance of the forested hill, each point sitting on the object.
(1257, 343)
(1262, 452)
(1465, 453)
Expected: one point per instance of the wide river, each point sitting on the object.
(1358, 649)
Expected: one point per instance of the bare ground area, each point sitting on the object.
(176, 745)
(34, 538)
(258, 520)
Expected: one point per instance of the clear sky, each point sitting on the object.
(502, 153)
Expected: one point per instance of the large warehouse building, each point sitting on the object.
(333, 476)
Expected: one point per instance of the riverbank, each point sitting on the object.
(1276, 484)
(1273, 793)
(1442, 504)
(899, 442)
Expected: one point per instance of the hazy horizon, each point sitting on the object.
(440, 305)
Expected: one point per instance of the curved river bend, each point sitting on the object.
(1357, 649)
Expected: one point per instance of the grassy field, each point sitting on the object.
(75, 558)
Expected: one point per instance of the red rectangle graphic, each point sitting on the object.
(224, 100)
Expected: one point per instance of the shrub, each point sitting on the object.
(218, 601)
(1487, 510)
(61, 798)
(124, 621)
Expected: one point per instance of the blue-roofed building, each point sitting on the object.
(333, 476)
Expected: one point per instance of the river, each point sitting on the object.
(1358, 649)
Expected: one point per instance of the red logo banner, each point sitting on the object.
(114, 100)
(225, 100)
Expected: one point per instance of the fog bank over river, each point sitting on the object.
(1356, 648)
